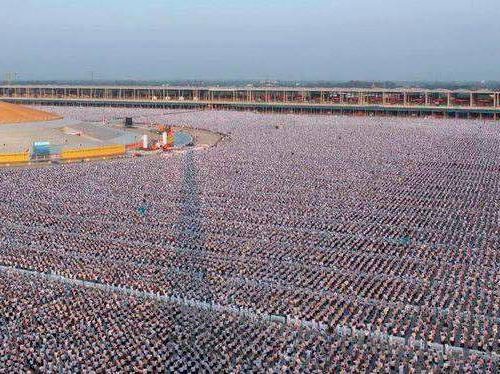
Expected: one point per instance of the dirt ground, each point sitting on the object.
(202, 138)
(10, 113)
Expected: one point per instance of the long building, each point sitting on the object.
(405, 102)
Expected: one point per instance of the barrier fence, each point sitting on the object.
(133, 146)
(63, 155)
(14, 158)
(83, 153)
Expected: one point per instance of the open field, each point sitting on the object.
(10, 113)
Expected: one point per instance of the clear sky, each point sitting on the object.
(254, 39)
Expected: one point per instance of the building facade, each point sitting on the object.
(404, 102)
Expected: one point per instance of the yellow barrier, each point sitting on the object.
(106, 151)
(14, 158)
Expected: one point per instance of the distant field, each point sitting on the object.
(10, 113)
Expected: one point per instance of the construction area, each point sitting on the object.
(32, 136)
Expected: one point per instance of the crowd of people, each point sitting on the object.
(74, 329)
(385, 225)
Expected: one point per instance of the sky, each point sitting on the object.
(444, 40)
